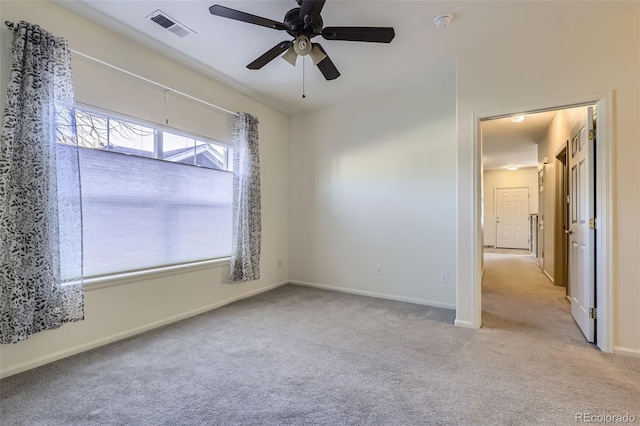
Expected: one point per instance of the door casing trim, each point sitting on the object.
(605, 250)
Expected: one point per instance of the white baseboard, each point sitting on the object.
(464, 324)
(619, 350)
(548, 276)
(132, 332)
(377, 295)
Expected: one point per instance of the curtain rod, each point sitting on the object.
(11, 25)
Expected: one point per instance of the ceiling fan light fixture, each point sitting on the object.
(302, 45)
(317, 55)
(290, 56)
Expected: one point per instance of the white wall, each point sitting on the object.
(559, 66)
(117, 311)
(372, 183)
(522, 178)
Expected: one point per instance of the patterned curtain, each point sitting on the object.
(247, 224)
(40, 210)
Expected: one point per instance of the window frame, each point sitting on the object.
(158, 130)
(118, 278)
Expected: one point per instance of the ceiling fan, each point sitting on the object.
(303, 23)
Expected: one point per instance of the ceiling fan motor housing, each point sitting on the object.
(295, 24)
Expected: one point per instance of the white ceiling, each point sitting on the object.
(222, 48)
(505, 143)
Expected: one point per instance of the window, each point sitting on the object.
(186, 150)
(150, 196)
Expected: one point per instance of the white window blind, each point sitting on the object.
(140, 213)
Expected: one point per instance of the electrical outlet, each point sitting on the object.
(444, 278)
(379, 270)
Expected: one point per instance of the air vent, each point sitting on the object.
(162, 21)
(167, 22)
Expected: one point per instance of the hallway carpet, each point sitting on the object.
(303, 356)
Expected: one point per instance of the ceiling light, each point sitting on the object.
(290, 56)
(512, 167)
(517, 118)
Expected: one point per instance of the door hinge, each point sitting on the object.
(593, 313)
(591, 135)
(592, 224)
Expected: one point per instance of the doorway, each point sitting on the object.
(554, 180)
(561, 231)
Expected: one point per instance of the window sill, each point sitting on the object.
(147, 274)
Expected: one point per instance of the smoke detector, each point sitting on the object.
(166, 22)
(443, 21)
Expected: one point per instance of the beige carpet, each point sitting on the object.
(529, 320)
(301, 356)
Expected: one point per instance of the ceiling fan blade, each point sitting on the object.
(326, 66)
(270, 55)
(368, 34)
(312, 9)
(237, 15)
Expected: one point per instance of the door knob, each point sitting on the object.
(568, 231)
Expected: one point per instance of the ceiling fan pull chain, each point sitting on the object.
(303, 61)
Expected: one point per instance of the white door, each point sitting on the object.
(582, 232)
(512, 218)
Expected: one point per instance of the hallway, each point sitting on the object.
(516, 294)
